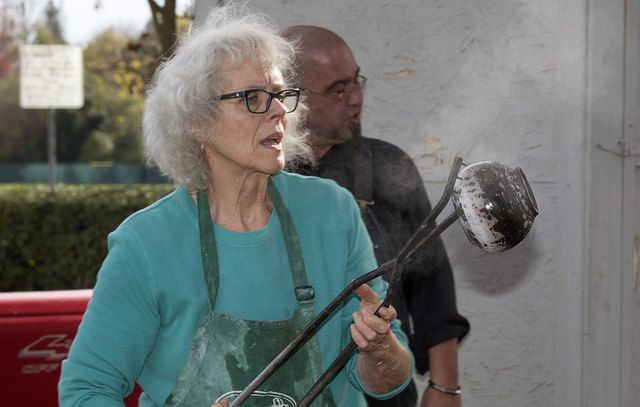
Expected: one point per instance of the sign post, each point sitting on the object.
(51, 148)
(51, 78)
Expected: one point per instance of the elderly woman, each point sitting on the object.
(203, 288)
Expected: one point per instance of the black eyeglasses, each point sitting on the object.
(343, 93)
(258, 101)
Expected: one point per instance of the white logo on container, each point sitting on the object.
(49, 347)
(277, 399)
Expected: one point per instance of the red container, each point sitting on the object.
(36, 331)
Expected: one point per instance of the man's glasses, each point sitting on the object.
(343, 93)
(259, 100)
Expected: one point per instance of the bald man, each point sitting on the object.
(391, 195)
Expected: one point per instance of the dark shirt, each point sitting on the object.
(388, 187)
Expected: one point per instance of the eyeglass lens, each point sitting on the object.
(347, 90)
(358, 84)
(259, 101)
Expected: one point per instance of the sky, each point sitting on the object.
(82, 20)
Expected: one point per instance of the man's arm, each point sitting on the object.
(443, 367)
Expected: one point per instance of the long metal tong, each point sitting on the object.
(427, 231)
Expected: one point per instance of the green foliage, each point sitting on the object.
(49, 31)
(23, 132)
(98, 147)
(113, 109)
(114, 84)
(116, 69)
(51, 242)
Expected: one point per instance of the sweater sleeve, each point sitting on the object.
(361, 261)
(117, 330)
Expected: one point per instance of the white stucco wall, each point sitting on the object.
(506, 80)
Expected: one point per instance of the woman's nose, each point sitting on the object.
(277, 108)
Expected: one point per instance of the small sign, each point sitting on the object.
(51, 77)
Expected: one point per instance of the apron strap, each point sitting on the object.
(304, 292)
(208, 247)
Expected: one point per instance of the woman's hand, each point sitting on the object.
(383, 363)
(370, 332)
(223, 403)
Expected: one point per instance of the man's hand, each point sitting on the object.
(223, 403)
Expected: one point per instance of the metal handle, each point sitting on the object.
(342, 358)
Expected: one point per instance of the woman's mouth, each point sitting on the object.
(274, 141)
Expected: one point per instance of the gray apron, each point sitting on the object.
(227, 353)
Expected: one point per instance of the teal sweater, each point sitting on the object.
(150, 294)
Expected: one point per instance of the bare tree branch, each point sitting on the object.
(164, 21)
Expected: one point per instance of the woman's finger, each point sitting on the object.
(366, 320)
(388, 314)
(369, 329)
(358, 339)
(367, 296)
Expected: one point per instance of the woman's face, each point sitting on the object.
(246, 142)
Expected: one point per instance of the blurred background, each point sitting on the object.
(551, 86)
(121, 47)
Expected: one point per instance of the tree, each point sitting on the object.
(106, 128)
(164, 21)
(49, 31)
(117, 69)
(114, 85)
(23, 131)
(9, 38)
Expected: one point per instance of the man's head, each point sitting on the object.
(333, 86)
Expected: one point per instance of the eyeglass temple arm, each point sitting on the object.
(419, 238)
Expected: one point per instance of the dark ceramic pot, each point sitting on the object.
(494, 204)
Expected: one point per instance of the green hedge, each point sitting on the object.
(54, 242)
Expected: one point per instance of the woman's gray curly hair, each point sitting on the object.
(180, 114)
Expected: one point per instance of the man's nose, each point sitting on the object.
(355, 97)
